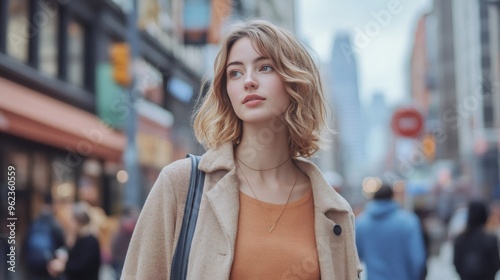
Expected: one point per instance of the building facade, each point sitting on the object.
(63, 116)
(453, 81)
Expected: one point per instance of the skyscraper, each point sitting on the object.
(343, 82)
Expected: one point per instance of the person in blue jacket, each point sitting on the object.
(389, 239)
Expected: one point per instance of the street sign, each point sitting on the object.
(407, 122)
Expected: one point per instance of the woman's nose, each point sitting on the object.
(251, 82)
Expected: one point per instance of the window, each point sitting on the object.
(489, 121)
(18, 30)
(76, 53)
(41, 172)
(48, 42)
(150, 81)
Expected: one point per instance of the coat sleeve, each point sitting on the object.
(151, 248)
(359, 267)
(417, 248)
(359, 238)
(493, 256)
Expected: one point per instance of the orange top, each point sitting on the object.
(288, 252)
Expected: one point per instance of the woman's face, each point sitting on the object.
(254, 87)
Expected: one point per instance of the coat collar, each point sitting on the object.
(220, 158)
(325, 198)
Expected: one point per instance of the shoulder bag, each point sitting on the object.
(181, 256)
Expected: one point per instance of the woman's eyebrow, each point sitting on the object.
(260, 58)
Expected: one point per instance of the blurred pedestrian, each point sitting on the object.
(122, 238)
(389, 239)
(84, 258)
(88, 192)
(422, 215)
(493, 222)
(44, 250)
(475, 253)
(266, 211)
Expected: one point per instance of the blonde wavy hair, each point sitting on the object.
(215, 120)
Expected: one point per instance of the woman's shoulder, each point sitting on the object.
(176, 174)
(177, 167)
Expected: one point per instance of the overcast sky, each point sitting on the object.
(382, 31)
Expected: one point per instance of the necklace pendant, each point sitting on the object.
(271, 227)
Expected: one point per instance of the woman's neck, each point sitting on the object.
(262, 148)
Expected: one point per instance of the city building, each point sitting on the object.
(453, 83)
(64, 108)
(344, 97)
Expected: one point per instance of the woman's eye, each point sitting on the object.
(234, 73)
(266, 68)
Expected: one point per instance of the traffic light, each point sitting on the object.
(120, 61)
(429, 147)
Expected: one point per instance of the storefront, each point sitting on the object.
(58, 149)
(60, 127)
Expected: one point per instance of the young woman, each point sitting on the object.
(266, 212)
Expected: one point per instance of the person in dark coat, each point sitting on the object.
(84, 258)
(44, 251)
(122, 239)
(476, 253)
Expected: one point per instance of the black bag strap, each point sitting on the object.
(181, 256)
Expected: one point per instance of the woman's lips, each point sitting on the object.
(253, 98)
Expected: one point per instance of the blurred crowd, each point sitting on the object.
(76, 243)
(398, 243)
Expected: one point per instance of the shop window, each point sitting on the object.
(48, 41)
(63, 176)
(18, 29)
(89, 183)
(41, 173)
(150, 81)
(76, 53)
(115, 179)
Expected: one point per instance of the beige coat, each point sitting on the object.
(153, 242)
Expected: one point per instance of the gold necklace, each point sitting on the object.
(270, 226)
(267, 169)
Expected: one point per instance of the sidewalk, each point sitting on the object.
(441, 267)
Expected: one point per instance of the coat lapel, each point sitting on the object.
(224, 200)
(325, 200)
(223, 194)
(323, 230)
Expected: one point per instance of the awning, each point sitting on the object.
(35, 116)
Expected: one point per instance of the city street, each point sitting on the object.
(441, 267)
(395, 105)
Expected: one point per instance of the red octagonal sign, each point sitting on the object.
(407, 122)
